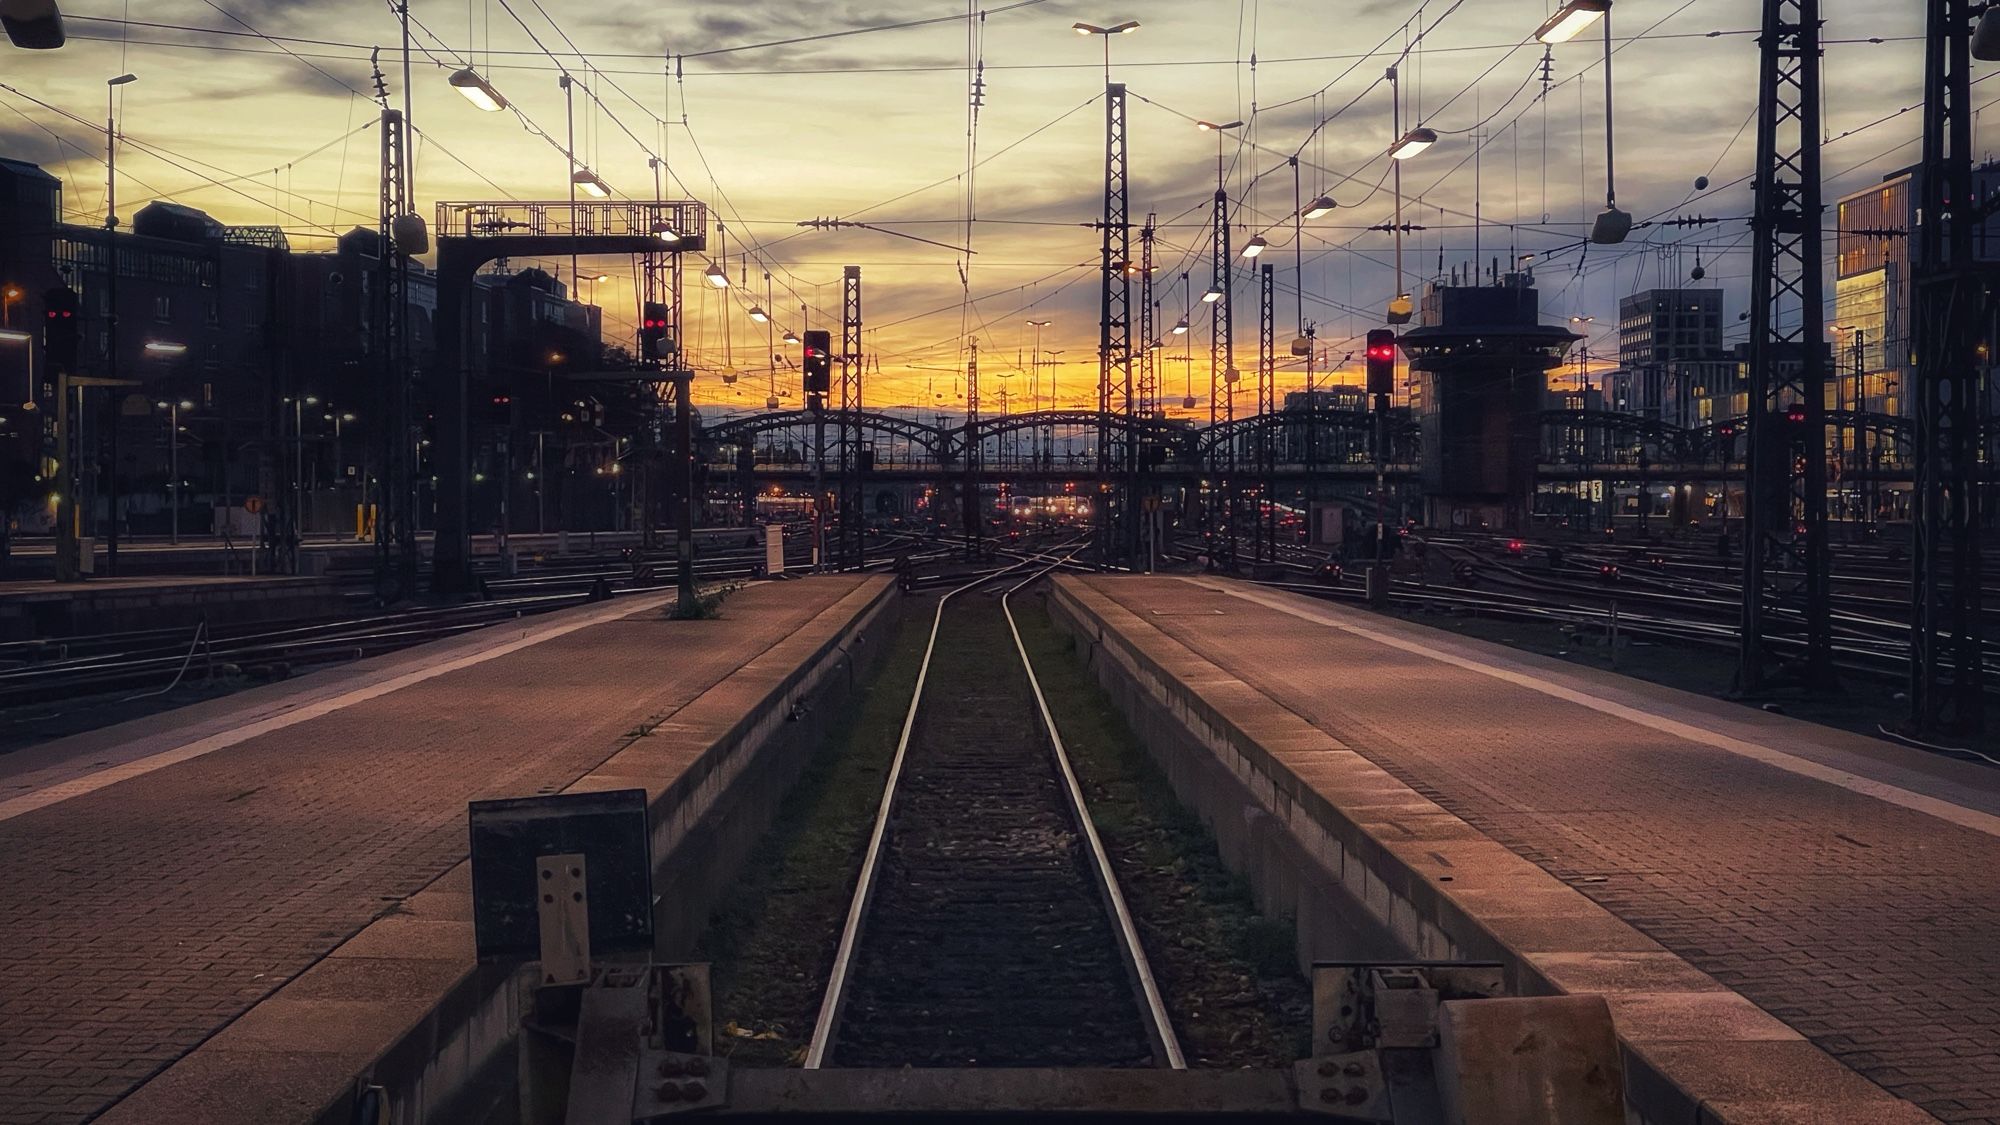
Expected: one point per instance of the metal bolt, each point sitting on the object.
(669, 1091)
(1355, 1070)
(694, 1091)
(1328, 1070)
(1356, 1095)
(697, 1068)
(670, 1068)
(1329, 1095)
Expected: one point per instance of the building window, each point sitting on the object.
(163, 308)
(214, 313)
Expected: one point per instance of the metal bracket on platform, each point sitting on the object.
(564, 913)
(1375, 1026)
(1424, 1042)
(645, 1047)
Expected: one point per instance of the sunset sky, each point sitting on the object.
(269, 97)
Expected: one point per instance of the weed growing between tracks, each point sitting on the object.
(773, 938)
(1229, 975)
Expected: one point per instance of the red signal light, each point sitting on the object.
(1796, 415)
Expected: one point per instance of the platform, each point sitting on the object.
(226, 913)
(1793, 923)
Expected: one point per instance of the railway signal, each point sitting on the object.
(62, 327)
(818, 361)
(654, 343)
(1381, 361)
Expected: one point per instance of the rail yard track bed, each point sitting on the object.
(987, 943)
(1229, 974)
(772, 939)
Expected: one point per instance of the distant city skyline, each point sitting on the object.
(874, 126)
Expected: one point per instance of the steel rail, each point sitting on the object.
(1159, 1026)
(825, 1028)
(835, 996)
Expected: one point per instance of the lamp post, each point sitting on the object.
(1406, 146)
(1035, 365)
(1581, 325)
(1125, 28)
(173, 407)
(1567, 23)
(111, 297)
(339, 419)
(299, 404)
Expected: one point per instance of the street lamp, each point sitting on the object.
(1319, 208)
(1611, 225)
(33, 25)
(1255, 246)
(790, 337)
(1570, 20)
(477, 90)
(758, 314)
(165, 348)
(1412, 143)
(1089, 29)
(592, 184)
(173, 409)
(715, 275)
(1181, 326)
(1212, 295)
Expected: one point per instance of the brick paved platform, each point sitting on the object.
(1842, 884)
(167, 875)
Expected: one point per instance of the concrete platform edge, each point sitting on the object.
(402, 1005)
(1694, 1051)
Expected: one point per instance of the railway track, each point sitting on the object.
(986, 927)
(59, 671)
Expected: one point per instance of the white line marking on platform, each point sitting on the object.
(1770, 756)
(112, 775)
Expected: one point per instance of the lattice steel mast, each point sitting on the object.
(853, 521)
(1946, 670)
(1785, 557)
(1114, 343)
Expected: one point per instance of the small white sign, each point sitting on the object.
(774, 550)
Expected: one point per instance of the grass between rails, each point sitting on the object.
(1228, 974)
(773, 938)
